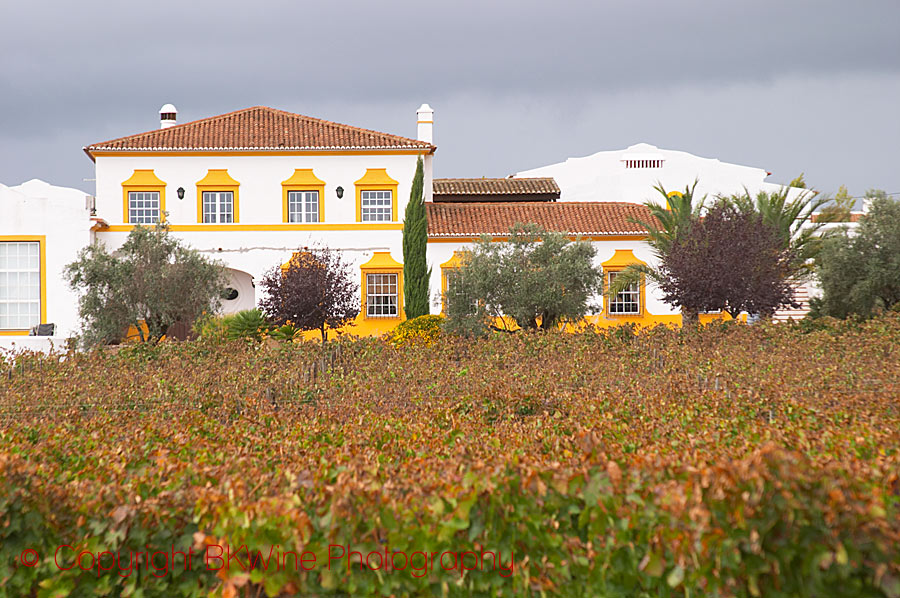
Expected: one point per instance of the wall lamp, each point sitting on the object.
(180, 192)
(340, 192)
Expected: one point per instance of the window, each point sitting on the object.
(376, 206)
(218, 206)
(144, 198)
(218, 200)
(302, 197)
(143, 207)
(449, 276)
(625, 302)
(381, 296)
(303, 206)
(20, 284)
(376, 197)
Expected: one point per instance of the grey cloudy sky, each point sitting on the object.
(787, 85)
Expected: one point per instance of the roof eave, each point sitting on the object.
(90, 149)
(569, 233)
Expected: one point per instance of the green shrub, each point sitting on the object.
(424, 329)
(247, 324)
(287, 333)
(212, 327)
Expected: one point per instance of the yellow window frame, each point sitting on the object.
(376, 179)
(218, 180)
(382, 263)
(143, 180)
(621, 259)
(303, 179)
(452, 265)
(42, 242)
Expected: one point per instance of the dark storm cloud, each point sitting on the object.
(86, 71)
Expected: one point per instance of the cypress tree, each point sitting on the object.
(416, 272)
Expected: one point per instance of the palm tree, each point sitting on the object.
(668, 222)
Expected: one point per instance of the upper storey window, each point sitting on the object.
(218, 206)
(217, 198)
(376, 197)
(303, 197)
(144, 198)
(143, 207)
(376, 206)
(303, 206)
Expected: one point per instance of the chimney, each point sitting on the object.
(167, 116)
(425, 123)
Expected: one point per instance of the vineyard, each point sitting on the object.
(731, 461)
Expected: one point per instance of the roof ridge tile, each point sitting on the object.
(259, 128)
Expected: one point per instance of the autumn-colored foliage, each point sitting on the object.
(729, 461)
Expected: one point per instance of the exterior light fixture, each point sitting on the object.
(340, 192)
(180, 193)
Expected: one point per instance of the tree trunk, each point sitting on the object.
(689, 318)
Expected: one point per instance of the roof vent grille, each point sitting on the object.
(643, 163)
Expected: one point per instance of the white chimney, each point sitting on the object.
(425, 123)
(167, 116)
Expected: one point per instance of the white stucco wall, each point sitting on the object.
(260, 178)
(60, 215)
(604, 177)
(249, 254)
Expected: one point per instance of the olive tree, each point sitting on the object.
(150, 283)
(860, 273)
(537, 279)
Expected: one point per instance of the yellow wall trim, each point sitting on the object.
(144, 180)
(622, 258)
(218, 179)
(376, 179)
(42, 243)
(382, 263)
(303, 179)
(310, 226)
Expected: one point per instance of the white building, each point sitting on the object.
(630, 175)
(254, 186)
(42, 228)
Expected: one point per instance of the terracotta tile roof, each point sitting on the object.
(576, 218)
(525, 186)
(259, 128)
(854, 217)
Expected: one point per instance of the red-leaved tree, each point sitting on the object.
(729, 260)
(315, 291)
